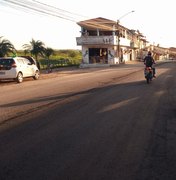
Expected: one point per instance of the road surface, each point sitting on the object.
(106, 124)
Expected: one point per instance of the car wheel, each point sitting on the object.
(37, 74)
(19, 77)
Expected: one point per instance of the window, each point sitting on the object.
(6, 62)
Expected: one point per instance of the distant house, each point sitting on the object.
(172, 53)
(159, 53)
(106, 42)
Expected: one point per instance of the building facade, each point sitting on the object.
(106, 42)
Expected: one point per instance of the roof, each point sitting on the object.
(98, 23)
(104, 24)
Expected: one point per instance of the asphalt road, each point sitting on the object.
(98, 124)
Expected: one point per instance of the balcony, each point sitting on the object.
(125, 42)
(96, 40)
(105, 40)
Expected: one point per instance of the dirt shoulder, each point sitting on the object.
(77, 70)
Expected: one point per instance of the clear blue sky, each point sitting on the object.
(155, 19)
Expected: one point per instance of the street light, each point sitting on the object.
(118, 20)
(118, 32)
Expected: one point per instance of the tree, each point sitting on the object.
(72, 54)
(48, 52)
(36, 48)
(6, 47)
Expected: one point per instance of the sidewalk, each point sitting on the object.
(77, 70)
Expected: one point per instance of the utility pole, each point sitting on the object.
(118, 32)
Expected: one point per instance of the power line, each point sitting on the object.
(38, 7)
(59, 9)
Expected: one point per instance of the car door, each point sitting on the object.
(28, 67)
(22, 67)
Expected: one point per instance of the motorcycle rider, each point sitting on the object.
(149, 61)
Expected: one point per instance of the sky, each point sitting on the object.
(154, 19)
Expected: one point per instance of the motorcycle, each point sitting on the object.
(148, 73)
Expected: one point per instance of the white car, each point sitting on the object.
(17, 68)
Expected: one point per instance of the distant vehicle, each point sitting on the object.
(18, 68)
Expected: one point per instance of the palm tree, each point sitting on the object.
(36, 48)
(6, 47)
(48, 52)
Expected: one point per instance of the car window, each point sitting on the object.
(20, 61)
(31, 59)
(26, 61)
(6, 62)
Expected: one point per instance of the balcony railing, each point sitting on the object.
(96, 40)
(104, 40)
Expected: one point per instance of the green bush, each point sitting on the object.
(60, 58)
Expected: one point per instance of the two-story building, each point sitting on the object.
(106, 42)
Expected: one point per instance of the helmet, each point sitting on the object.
(149, 53)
